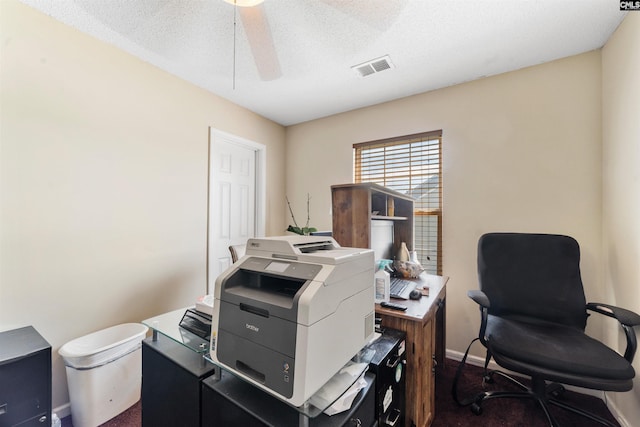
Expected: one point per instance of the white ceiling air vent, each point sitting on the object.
(373, 66)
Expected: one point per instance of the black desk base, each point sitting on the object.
(231, 401)
(171, 377)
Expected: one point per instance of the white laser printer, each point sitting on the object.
(292, 312)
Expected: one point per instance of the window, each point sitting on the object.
(410, 165)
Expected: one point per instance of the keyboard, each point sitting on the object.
(401, 288)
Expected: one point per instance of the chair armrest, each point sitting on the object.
(628, 319)
(479, 297)
(483, 301)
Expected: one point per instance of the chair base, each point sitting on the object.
(542, 393)
(539, 391)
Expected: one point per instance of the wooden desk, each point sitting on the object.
(424, 323)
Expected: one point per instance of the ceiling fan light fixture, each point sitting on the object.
(374, 66)
(244, 3)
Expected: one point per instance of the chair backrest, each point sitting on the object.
(535, 276)
(237, 252)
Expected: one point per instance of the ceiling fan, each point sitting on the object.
(259, 36)
(378, 14)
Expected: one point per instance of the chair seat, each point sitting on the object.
(558, 352)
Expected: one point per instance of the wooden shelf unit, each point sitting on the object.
(354, 206)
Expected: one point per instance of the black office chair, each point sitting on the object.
(237, 252)
(533, 316)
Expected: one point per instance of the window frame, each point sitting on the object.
(420, 211)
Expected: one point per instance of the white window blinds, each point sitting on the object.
(411, 165)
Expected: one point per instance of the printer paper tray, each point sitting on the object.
(262, 364)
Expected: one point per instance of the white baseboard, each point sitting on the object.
(62, 411)
(615, 411)
(479, 361)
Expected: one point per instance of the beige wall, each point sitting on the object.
(521, 152)
(621, 188)
(104, 182)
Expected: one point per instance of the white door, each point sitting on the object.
(234, 202)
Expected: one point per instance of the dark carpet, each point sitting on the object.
(505, 412)
(496, 412)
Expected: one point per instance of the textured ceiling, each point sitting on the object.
(293, 58)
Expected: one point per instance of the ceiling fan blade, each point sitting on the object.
(260, 40)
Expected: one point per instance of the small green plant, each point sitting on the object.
(304, 231)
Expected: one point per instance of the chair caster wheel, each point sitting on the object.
(476, 409)
(487, 379)
(555, 390)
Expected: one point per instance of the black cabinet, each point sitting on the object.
(171, 376)
(25, 378)
(232, 401)
(388, 364)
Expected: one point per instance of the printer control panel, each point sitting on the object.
(285, 268)
(277, 266)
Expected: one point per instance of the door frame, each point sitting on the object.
(260, 151)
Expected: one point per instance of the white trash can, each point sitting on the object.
(104, 373)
